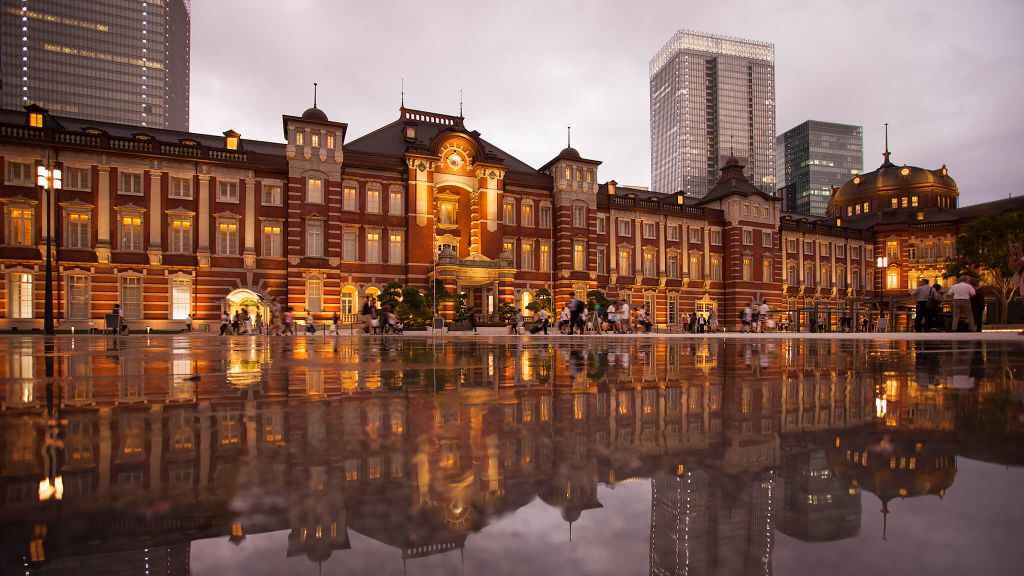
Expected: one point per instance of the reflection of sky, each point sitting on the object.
(534, 540)
(976, 529)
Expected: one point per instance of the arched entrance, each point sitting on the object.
(250, 300)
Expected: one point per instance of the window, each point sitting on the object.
(131, 232)
(526, 255)
(672, 233)
(903, 202)
(808, 247)
(748, 268)
(131, 297)
(766, 239)
(77, 178)
(526, 214)
(181, 188)
(314, 294)
(395, 204)
(602, 260)
(892, 279)
(716, 268)
(866, 206)
(590, 175)
(179, 240)
(579, 216)
(315, 190)
(746, 209)
(748, 237)
(913, 201)
(808, 274)
(348, 300)
(373, 205)
(579, 254)
(545, 216)
(271, 240)
(791, 245)
(349, 252)
(227, 191)
(672, 266)
(602, 225)
(841, 277)
(912, 252)
(650, 264)
(131, 183)
(766, 270)
(300, 138)
(855, 252)
(181, 298)
(330, 140)
(716, 237)
(791, 275)
(849, 210)
(227, 238)
(396, 248)
(19, 226)
(650, 230)
(447, 211)
(35, 119)
(895, 202)
(892, 248)
(508, 212)
(625, 227)
(545, 257)
(19, 296)
(855, 278)
(20, 173)
(314, 139)
(373, 246)
(625, 261)
(315, 238)
(695, 234)
(349, 199)
(78, 296)
(824, 249)
(696, 266)
(840, 251)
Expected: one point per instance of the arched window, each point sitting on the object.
(349, 295)
(526, 298)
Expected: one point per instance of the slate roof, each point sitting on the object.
(733, 182)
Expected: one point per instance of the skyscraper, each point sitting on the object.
(815, 156)
(122, 61)
(712, 97)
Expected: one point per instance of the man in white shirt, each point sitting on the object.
(961, 293)
(922, 294)
(762, 315)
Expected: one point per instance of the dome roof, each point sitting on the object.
(569, 153)
(889, 177)
(315, 114)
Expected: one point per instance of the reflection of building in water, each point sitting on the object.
(817, 506)
(378, 440)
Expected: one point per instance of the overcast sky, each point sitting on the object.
(945, 74)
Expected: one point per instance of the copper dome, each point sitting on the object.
(315, 114)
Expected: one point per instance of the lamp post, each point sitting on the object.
(882, 262)
(49, 180)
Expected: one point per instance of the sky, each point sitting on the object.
(945, 74)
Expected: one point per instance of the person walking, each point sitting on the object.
(712, 322)
(746, 317)
(923, 294)
(542, 321)
(258, 322)
(289, 321)
(961, 293)
(225, 323)
(762, 315)
(597, 317)
(624, 317)
(575, 311)
(613, 316)
(471, 319)
(188, 323)
(977, 304)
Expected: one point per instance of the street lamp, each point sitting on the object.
(882, 262)
(49, 180)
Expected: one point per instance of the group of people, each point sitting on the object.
(757, 317)
(375, 319)
(968, 304)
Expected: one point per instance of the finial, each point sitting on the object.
(568, 136)
(403, 92)
(460, 102)
(886, 153)
(314, 94)
(732, 150)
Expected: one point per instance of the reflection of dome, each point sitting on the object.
(315, 114)
(894, 468)
(890, 180)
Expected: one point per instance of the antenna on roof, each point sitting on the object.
(314, 94)
(568, 136)
(403, 92)
(886, 153)
(460, 102)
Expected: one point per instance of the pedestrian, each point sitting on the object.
(712, 321)
(258, 322)
(289, 321)
(961, 293)
(977, 305)
(762, 315)
(225, 323)
(542, 319)
(119, 322)
(746, 317)
(365, 314)
(563, 319)
(701, 324)
(472, 319)
(188, 323)
(575, 310)
(923, 295)
(624, 317)
(643, 322)
(612, 317)
(598, 317)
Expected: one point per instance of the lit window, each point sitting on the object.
(131, 297)
(314, 294)
(181, 298)
(526, 214)
(766, 270)
(545, 216)
(748, 268)
(330, 140)
(568, 173)
(131, 183)
(625, 262)
(913, 201)
(180, 237)
(19, 226)
(396, 248)
(526, 255)
(892, 248)
(545, 257)
(696, 266)
(315, 238)
(650, 264)
(373, 199)
(396, 205)
(35, 120)
(508, 212)
(892, 279)
(227, 191)
(903, 202)
(447, 213)
(78, 296)
(579, 254)
(895, 202)
(271, 195)
(672, 266)
(373, 246)
(131, 232)
(349, 199)
(19, 297)
(315, 190)
(314, 139)
(231, 142)
(271, 240)
(300, 137)
(227, 238)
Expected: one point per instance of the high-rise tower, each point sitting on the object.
(815, 156)
(712, 97)
(121, 61)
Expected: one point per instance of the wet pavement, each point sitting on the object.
(178, 455)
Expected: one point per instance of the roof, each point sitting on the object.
(994, 207)
(571, 154)
(732, 182)
(315, 114)
(890, 177)
(389, 140)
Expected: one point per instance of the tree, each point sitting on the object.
(541, 301)
(983, 251)
(599, 297)
(413, 310)
(391, 296)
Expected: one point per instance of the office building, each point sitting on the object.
(814, 157)
(712, 98)
(117, 61)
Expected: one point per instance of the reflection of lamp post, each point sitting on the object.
(49, 180)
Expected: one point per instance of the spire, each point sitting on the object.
(460, 102)
(568, 136)
(314, 94)
(886, 153)
(403, 92)
(885, 518)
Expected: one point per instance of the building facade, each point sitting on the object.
(171, 224)
(712, 97)
(119, 61)
(815, 157)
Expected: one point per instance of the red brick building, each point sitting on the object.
(170, 224)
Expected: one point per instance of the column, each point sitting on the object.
(684, 243)
(103, 215)
(204, 221)
(661, 247)
(155, 217)
(249, 253)
(613, 239)
(637, 251)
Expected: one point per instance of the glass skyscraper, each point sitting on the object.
(711, 97)
(815, 156)
(122, 61)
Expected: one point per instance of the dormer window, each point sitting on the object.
(410, 132)
(314, 139)
(231, 140)
(35, 119)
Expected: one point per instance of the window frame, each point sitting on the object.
(67, 182)
(272, 248)
(124, 176)
(26, 234)
(268, 188)
(17, 301)
(172, 194)
(221, 235)
(141, 232)
(314, 236)
(315, 186)
(226, 185)
(29, 180)
(176, 237)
